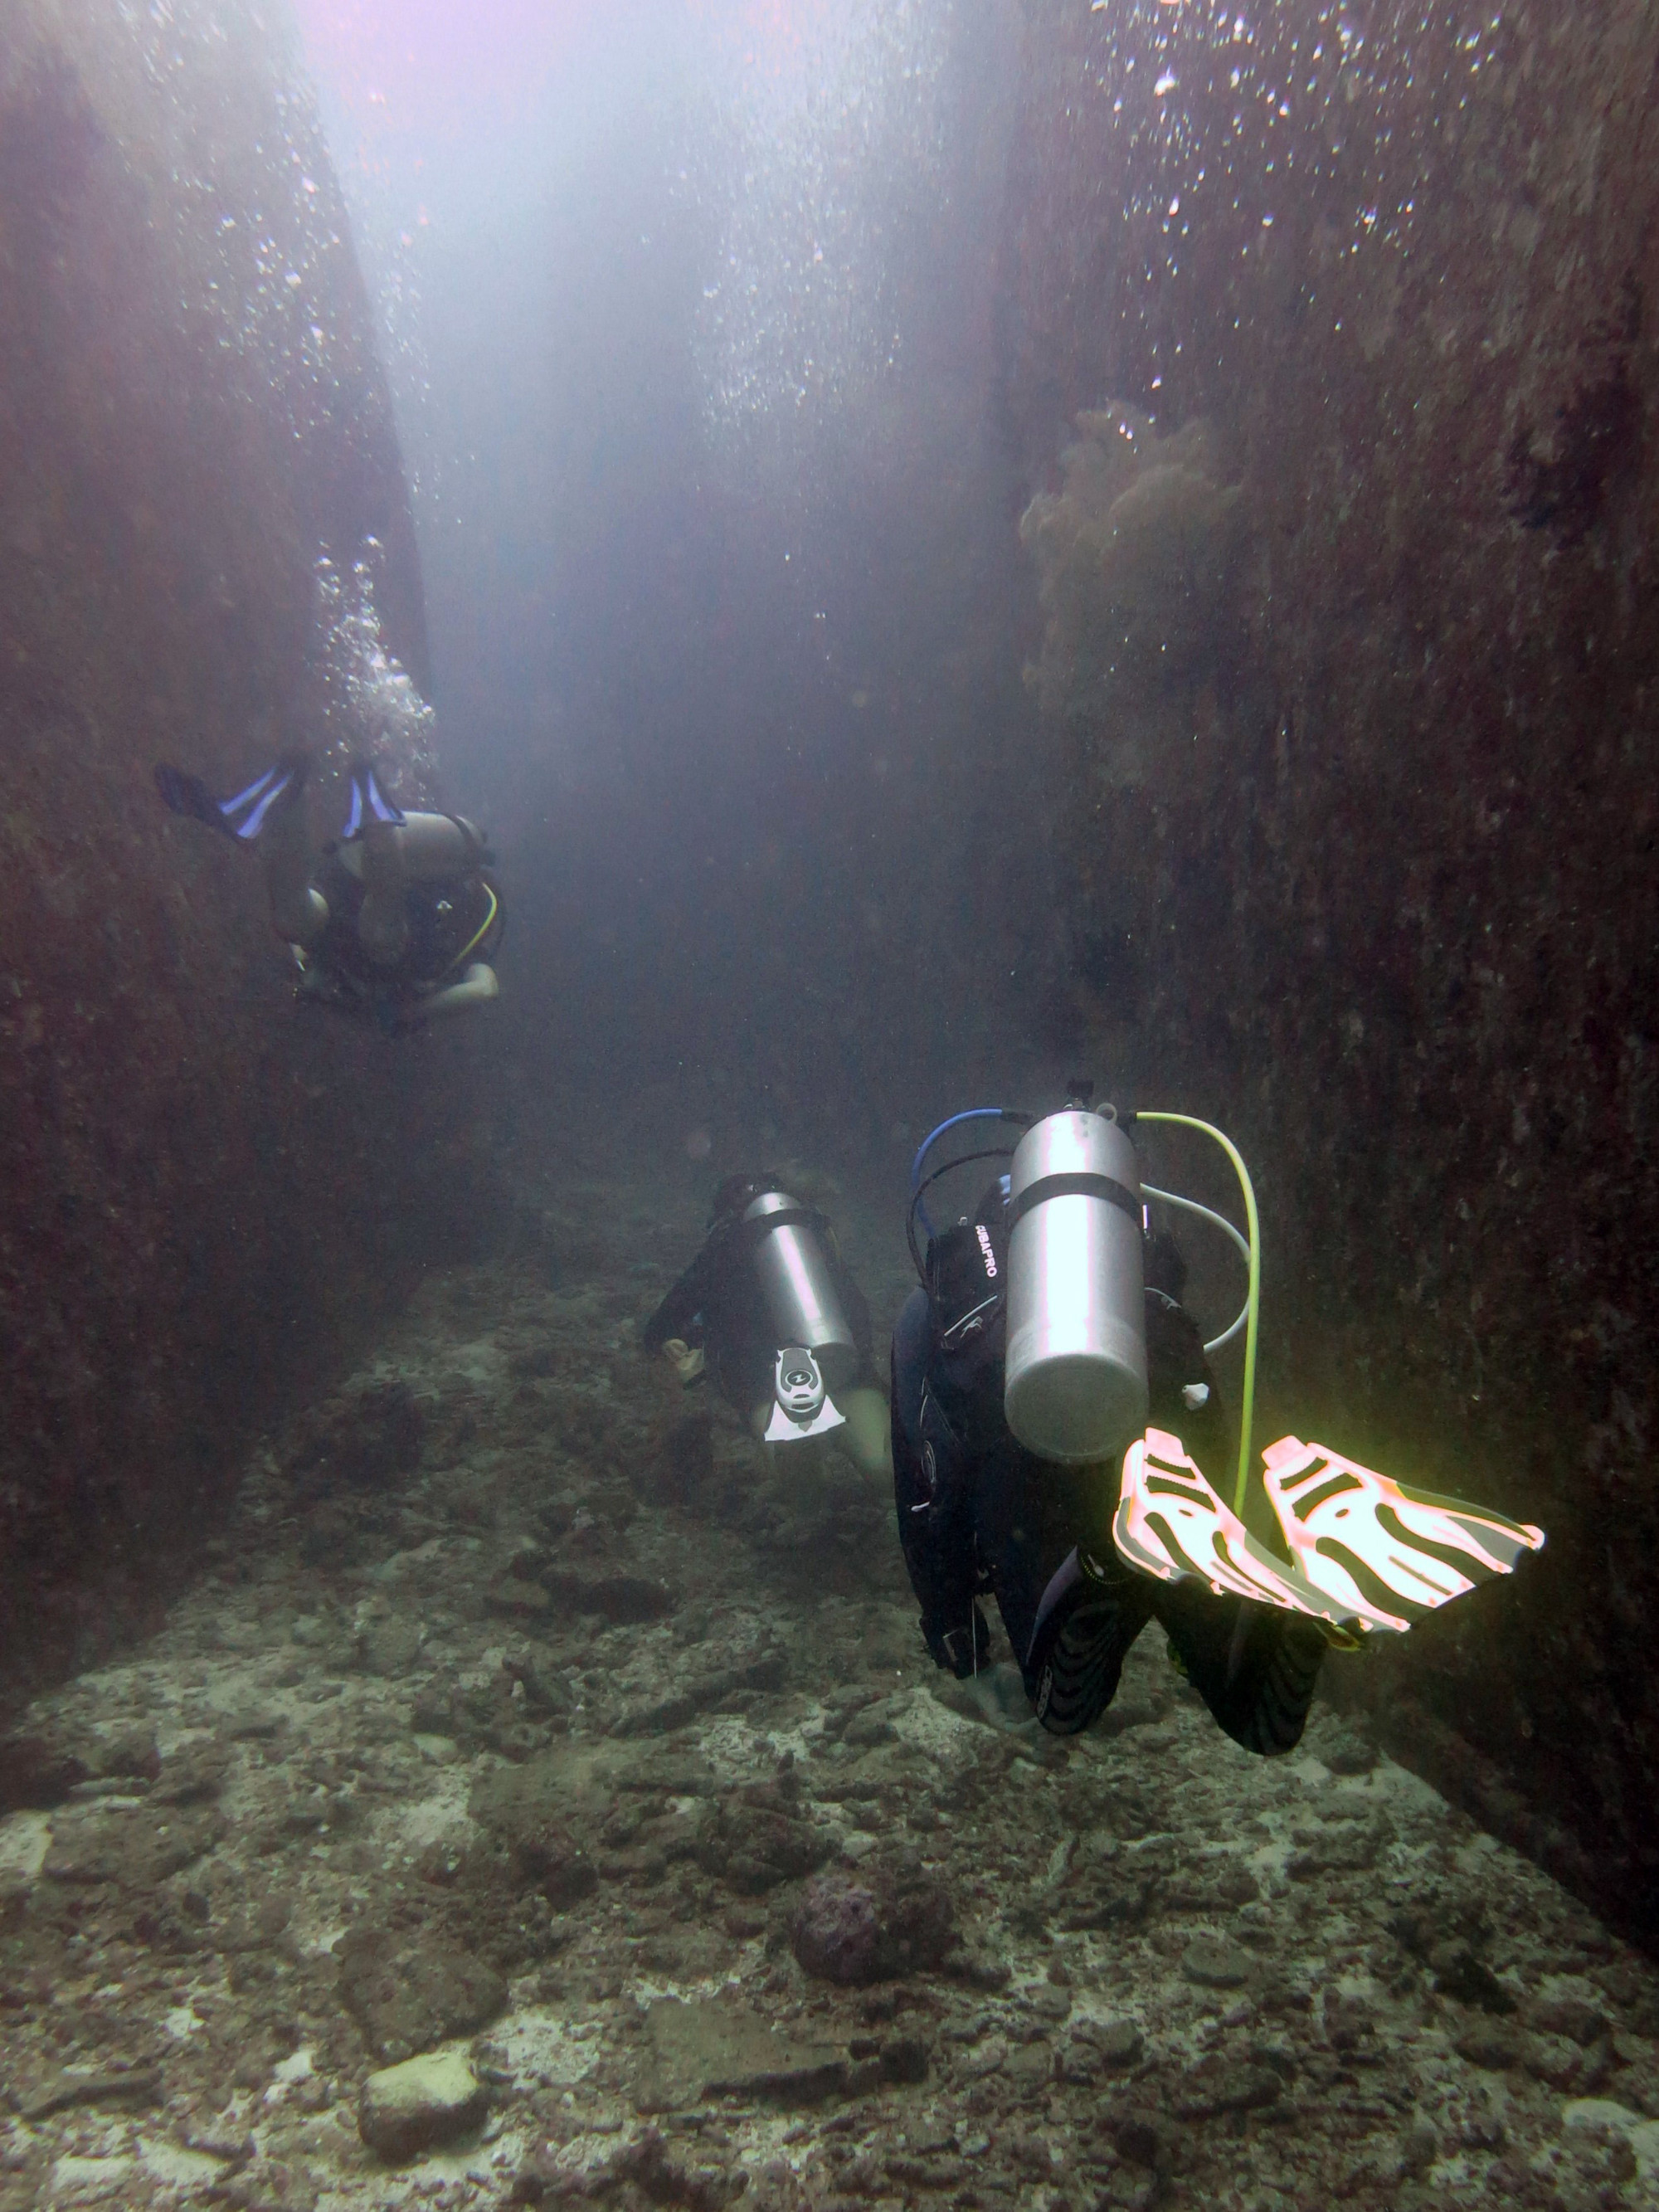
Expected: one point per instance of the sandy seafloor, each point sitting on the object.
(517, 1708)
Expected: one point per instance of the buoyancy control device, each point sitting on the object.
(817, 1354)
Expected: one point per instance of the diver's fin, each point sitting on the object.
(1369, 1542)
(242, 817)
(1171, 1525)
(780, 1430)
(368, 802)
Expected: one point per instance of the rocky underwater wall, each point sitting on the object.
(204, 1192)
(1350, 649)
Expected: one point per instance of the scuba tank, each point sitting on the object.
(1075, 1375)
(798, 1284)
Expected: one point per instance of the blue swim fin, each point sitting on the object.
(242, 817)
(368, 803)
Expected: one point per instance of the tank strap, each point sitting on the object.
(755, 1233)
(1074, 1186)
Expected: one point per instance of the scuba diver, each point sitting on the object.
(769, 1309)
(1053, 1410)
(396, 924)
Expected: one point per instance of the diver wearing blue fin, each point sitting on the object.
(396, 923)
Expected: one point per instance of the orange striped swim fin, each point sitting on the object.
(1171, 1525)
(1370, 1544)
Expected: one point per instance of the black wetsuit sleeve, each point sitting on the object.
(932, 1492)
(691, 1295)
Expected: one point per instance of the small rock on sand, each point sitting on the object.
(404, 2109)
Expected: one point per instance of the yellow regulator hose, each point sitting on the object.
(1246, 1410)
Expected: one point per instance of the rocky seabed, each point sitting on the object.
(542, 1799)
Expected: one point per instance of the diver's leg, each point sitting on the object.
(1255, 1665)
(1071, 1608)
(271, 811)
(1087, 1618)
(1031, 1515)
(478, 986)
(865, 1436)
(298, 912)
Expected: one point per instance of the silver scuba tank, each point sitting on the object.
(798, 1286)
(1075, 1379)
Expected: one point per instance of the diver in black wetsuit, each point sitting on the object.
(978, 1513)
(718, 1319)
(396, 924)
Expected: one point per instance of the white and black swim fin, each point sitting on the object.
(1170, 1524)
(1389, 1553)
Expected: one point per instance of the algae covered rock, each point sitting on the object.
(404, 2109)
(407, 1992)
(882, 1923)
(1137, 557)
(708, 2048)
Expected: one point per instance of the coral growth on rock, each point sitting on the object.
(1397, 928)
(1139, 557)
(891, 1920)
